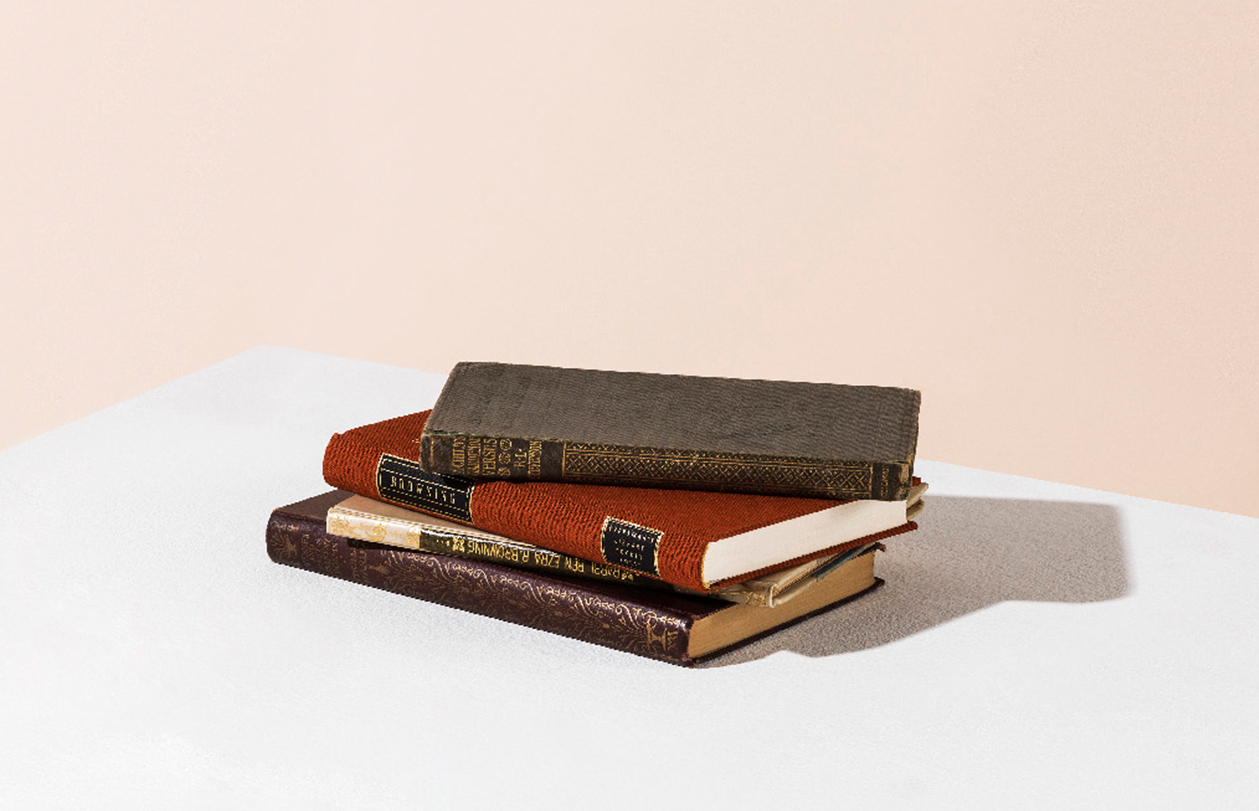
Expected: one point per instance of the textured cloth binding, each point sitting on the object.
(569, 518)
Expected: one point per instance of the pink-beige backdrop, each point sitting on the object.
(1043, 215)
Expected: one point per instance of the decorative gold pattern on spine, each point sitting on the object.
(664, 466)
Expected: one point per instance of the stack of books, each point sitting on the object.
(668, 516)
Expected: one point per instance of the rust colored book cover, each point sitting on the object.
(664, 533)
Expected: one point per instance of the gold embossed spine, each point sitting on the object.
(492, 457)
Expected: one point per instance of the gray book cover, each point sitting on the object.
(543, 423)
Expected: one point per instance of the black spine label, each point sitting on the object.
(631, 546)
(403, 481)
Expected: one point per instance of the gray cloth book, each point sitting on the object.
(542, 423)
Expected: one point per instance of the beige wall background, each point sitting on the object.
(1043, 215)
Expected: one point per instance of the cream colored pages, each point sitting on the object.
(760, 548)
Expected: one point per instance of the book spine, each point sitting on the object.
(567, 526)
(363, 468)
(483, 457)
(531, 459)
(421, 538)
(546, 603)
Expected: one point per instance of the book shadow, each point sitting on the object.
(969, 553)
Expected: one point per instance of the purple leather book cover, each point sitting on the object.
(647, 622)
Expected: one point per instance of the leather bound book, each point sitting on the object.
(693, 539)
(659, 624)
(541, 423)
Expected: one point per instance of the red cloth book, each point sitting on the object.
(693, 539)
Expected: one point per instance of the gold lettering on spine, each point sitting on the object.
(487, 457)
(503, 458)
(521, 556)
(422, 489)
(535, 459)
(481, 456)
(496, 457)
(458, 454)
(630, 545)
(522, 459)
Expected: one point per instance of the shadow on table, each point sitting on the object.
(969, 553)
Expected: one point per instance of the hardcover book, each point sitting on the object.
(693, 539)
(366, 519)
(660, 624)
(541, 423)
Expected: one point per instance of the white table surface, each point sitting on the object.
(1036, 645)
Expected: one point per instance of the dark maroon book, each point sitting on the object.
(671, 626)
